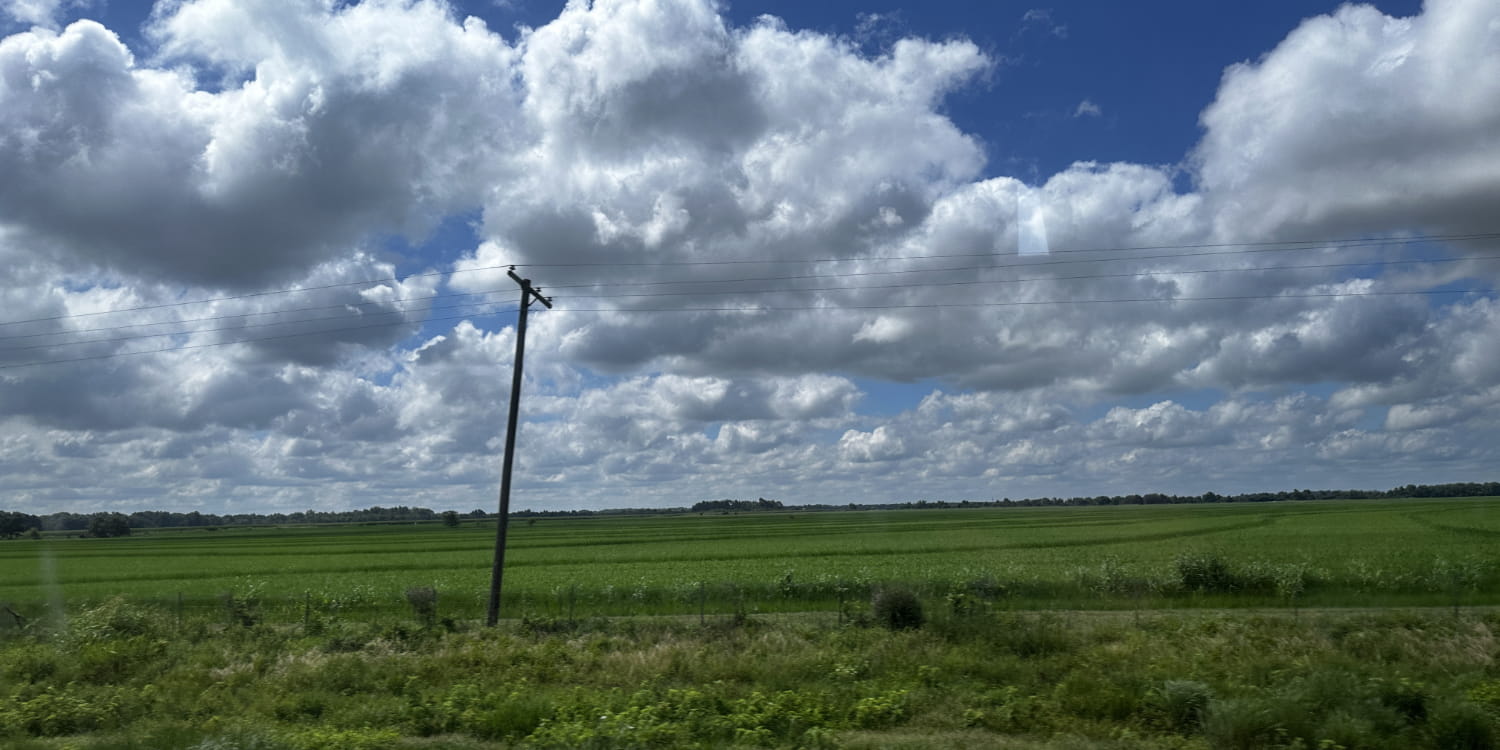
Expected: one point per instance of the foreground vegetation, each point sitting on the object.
(922, 629)
(122, 676)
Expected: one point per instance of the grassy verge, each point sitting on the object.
(122, 676)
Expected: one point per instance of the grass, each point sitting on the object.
(1344, 553)
(366, 637)
(122, 676)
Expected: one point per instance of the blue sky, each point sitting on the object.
(826, 252)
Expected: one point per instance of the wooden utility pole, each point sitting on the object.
(528, 294)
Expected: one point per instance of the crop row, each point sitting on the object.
(1349, 549)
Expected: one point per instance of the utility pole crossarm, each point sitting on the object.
(528, 294)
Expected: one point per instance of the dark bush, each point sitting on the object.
(1240, 724)
(1462, 726)
(1407, 698)
(243, 611)
(423, 601)
(897, 609)
(1182, 703)
(1206, 573)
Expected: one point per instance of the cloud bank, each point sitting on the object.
(745, 227)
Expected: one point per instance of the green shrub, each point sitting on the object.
(1182, 703)
(1112, 697)
(1290, 582)
(1344, 729)
(240, 739)
(242, 611)
(1407, 698)
(423, 601)
(106, 662)
(301, 705)
(512, 717)
(897, 609)
(114, 618)
(1487, 694)
(1462, 726)
(1032, 635)
(35, 663)
(886, 709)
(1009, 711)
(327, 738)
(1239, 724)
(54, 713)
(1205, 573)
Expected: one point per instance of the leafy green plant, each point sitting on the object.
(883, 710)
(1462, 726)
(243, 611)
(897, 608)
(1182, 703)
(1240, 724)
(1205, 573)
(1407, 698)
(424, 604)
(112, 619)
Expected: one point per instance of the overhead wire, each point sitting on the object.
(792, 308)
(362, 314)
(1250, 247)
(1028, 303)
(974, 282)
(606, 285)
(268, 324)
(212, 344)
(942, 269)
(1272, 245)
(359, 313)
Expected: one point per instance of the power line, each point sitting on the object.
(406, 310)
(798, 277)
(1278, 245)
(269, 324)
(1252, 247)
(801, 308)
(974, 282)
(1028, 303)
(982, 267)
(212, 344)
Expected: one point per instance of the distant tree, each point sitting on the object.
(450, 518)
(737, 505)
(105, 525)
(15, 524)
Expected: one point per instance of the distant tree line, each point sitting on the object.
(1457, 489)
(737, 505)
(14, 524)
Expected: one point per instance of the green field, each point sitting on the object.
(1330, 625)
(1330, 553)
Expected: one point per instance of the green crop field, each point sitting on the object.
(1287, 625)
(1331, 553)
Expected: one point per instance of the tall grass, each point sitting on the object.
(119, 675)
